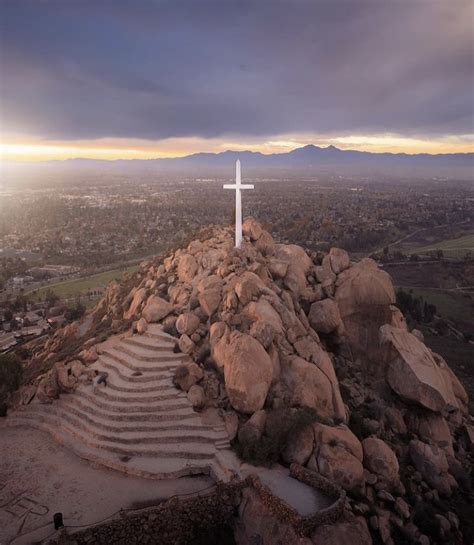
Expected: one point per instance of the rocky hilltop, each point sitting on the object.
(278, 334)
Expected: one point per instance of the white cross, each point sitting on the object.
(238, 202)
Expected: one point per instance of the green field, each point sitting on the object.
(453, 305)
(455, 247)
(72, 288)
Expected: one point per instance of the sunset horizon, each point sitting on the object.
(113, 149)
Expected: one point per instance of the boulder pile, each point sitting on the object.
(271, 326)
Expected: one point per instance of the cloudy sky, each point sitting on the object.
(144, 78)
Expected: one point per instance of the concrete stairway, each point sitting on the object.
(139, 423)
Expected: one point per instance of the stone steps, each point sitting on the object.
(133, 422)
(146, 355)
(108, 364)
(133, 364)
(92, 409)
(124, 426)
(196, 450)
(136, 397)
(163, 387)
(167, 439)
(138, 422)
(177, 404)
(149, 467)
(150, 343)
(155, 331)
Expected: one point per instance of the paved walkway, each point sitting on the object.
(39, 477)
(139, 423)
(303, 498)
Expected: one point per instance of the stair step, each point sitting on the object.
(171, 393)
(170, 405)
(150, 343)
(136, 390)
(144, 355)
(139, 422)
(158, 416)
(146, 467)
(192, 424)
(126, 374)
(123, 437)
(134, 365)
(156, 331)
(135, 422)
(196, 451)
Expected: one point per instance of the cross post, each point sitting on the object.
(238, 202)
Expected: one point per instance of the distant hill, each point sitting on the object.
(309, 160)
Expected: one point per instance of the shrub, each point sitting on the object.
(282, 427)
(75, 312)
(424, 517)
(180, 373)
(11, 373)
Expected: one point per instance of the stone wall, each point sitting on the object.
(317, 481)
(204, 519)
(181, 521)
(286, 514)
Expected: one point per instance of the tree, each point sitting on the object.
(75, 312)
(51, 297)
(11, 372)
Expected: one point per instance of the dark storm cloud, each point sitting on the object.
(88, 69)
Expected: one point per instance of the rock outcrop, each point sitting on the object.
(273, 327)
(413, 372)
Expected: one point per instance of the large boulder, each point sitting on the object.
(324, 316)
(311, 351)
(252, 229)
(210, 293)
(253, 429)
(299, 264)
(432, 428)
(380, 459)
(156, 309)
(309, 386)
(219, 335)
(450, 378)
(66, 382)
(187, 375)
(412, 372)
(187, 323)
(337, 455)
(248, 286)
(48, 388)
(364, 295)
(197, 397)
(187, 268)
(433, 465)
(137, 300)
(247, 373)
(339, 260)
(263, 311)
(349, 530)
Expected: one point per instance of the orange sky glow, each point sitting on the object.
(116, 148)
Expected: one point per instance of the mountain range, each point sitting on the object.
(309, 159)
